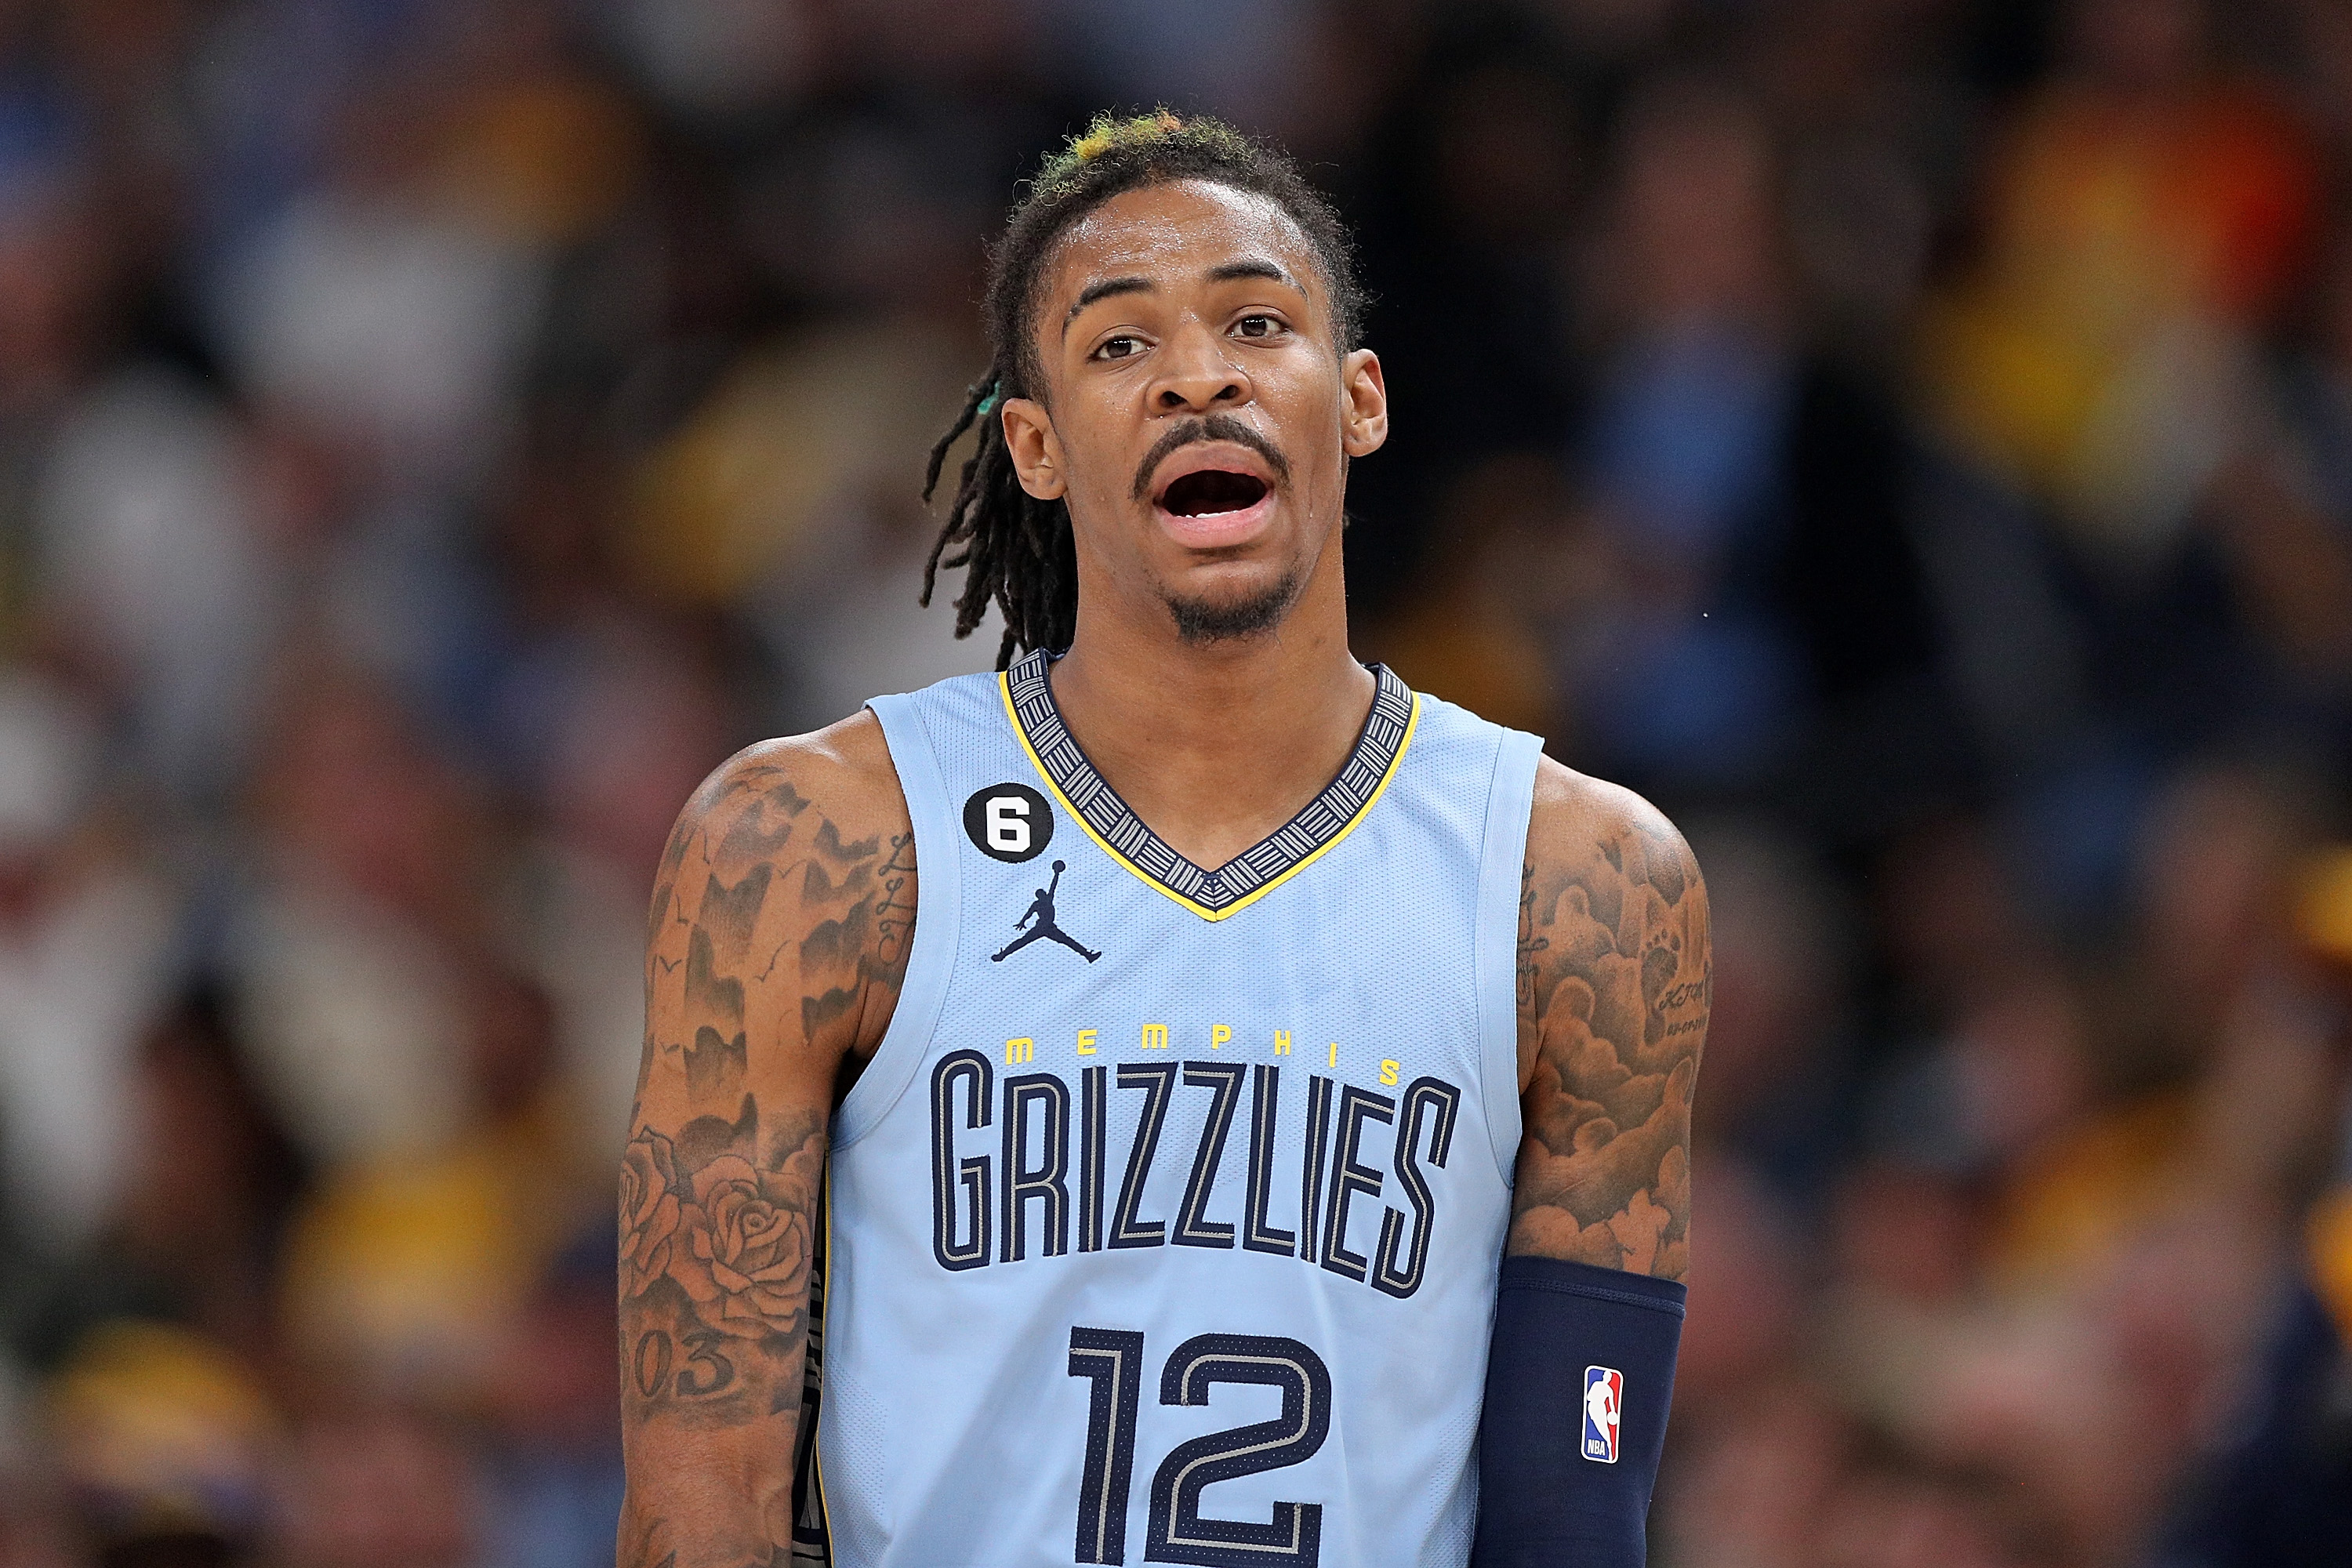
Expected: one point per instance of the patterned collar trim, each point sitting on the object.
(1256, 871)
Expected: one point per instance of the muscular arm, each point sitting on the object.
(1615, 978)
(776, 947)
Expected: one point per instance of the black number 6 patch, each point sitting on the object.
(1009, 822)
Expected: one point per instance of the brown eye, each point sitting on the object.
(1257, 326)
(1121, 347)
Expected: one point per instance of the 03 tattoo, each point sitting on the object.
(777, 936)
(1615, 978)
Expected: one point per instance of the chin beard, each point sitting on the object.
(1201, 621)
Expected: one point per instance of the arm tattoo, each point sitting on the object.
(1615, 979)
(773, 935)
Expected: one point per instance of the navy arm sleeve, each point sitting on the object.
(1578, 1385)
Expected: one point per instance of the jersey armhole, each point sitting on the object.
(1510, 799)
(939, 892)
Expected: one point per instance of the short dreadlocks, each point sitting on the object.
(1019, 549)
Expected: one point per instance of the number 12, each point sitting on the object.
(1112, 1359)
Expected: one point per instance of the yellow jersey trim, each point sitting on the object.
(1012, 717)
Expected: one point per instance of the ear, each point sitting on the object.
(1036, 450)
(1366, 423)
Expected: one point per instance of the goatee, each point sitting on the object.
(1207, 621)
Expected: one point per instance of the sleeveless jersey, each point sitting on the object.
(1164, 1224)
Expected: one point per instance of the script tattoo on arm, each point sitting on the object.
(776, 943)
(1615, 978)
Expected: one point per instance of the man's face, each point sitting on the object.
(1199, 418)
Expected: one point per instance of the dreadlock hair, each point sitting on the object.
(1018, 549)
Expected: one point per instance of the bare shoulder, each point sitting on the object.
(784, 903)
(751, 801)
(1616, 977)
(1577, 815)
(1605, 873)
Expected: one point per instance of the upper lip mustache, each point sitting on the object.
(1197, 456)
(1216, 441)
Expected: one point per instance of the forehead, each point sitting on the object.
(1173, 234)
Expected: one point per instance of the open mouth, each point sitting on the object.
(1208, 491)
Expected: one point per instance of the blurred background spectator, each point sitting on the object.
(1911, 439)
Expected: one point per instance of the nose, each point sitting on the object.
(1199, 377)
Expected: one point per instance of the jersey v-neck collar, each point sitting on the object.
(1256, 871)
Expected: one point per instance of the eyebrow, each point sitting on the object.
(1104, 290)
(1226, 272)
(1254, 267)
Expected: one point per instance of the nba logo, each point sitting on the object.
(1604, 1395)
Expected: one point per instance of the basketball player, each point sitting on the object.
(1180, 1236)
(1041, 912)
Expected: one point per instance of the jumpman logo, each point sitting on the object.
(1041, 910)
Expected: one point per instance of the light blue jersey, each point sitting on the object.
(1165, 1222)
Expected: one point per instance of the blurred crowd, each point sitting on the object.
(1910, 439)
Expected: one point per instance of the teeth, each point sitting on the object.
(1198, 494)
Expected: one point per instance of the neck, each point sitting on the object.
(1216, 744)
